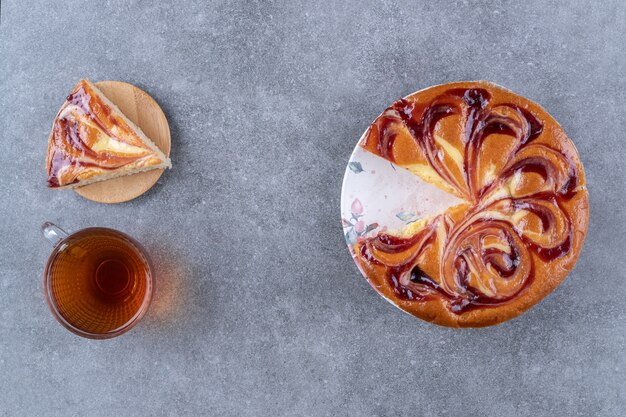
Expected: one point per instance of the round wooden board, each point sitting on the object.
(145, 112)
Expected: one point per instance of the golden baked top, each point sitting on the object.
(525, 214)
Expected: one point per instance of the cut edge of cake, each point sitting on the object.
(167, 163)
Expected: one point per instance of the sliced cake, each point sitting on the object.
(92, 140)
(524, 217)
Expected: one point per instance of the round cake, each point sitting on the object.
(522, 210)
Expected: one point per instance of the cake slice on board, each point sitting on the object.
(92, 140)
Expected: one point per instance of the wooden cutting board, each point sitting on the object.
(145, 112)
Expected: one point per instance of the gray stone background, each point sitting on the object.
(259, 309)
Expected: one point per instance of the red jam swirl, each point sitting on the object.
(71, 138)
(486, 258)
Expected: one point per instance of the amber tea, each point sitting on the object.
(98, 282)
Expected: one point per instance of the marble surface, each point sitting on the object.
(259, 309)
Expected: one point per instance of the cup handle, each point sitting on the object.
(53, 233)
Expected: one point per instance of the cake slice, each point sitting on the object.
(92, 140)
